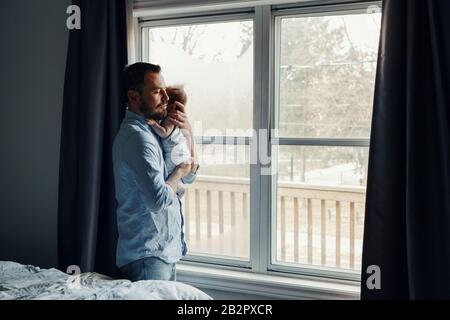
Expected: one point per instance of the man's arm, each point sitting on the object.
(192, 175)
(181, 119)
(144, 162)
(178, 174)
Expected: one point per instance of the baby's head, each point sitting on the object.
(176, 93)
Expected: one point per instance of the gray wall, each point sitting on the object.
(33, 37)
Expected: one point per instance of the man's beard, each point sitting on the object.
(149, 114)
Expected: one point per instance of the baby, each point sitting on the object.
(175, 147)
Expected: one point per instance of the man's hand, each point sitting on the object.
(180, 171)
(180, 119)
(183, 169)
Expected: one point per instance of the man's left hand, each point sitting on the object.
(180, 118)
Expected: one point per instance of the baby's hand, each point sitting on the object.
(163, 129)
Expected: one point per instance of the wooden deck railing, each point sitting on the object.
(315, 224)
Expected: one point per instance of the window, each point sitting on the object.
(300, 80)
(214, 63)
(325, 66)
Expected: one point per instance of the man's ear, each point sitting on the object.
(134, 97)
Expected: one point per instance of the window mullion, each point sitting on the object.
(331, 142)
(260, 186)
(144, 49)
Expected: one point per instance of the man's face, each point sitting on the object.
(153, 104)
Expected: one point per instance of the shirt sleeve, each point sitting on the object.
(143, 160)
(190, 178)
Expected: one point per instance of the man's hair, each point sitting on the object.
(134, 75)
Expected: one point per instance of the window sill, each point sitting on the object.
(267, 285)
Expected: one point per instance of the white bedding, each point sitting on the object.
(19, 281)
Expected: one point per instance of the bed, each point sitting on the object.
(26, 282)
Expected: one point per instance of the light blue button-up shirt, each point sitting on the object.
(149, 217)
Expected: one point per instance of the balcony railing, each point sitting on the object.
(316, 225)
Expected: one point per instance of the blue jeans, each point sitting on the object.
(149, 268)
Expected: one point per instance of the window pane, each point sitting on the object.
(320, 205)
(327, 74)
(216, 206)
(214, 62)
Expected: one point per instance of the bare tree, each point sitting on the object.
(246, 38)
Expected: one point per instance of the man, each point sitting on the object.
(149, 216)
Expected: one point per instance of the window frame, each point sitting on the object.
(266, 19)
(278, 141)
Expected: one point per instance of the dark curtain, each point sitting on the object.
(92, 112)
(407, 226)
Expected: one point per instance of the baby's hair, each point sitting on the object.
(176, 93)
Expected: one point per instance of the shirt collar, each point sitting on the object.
(134, 116)
(130, 115)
